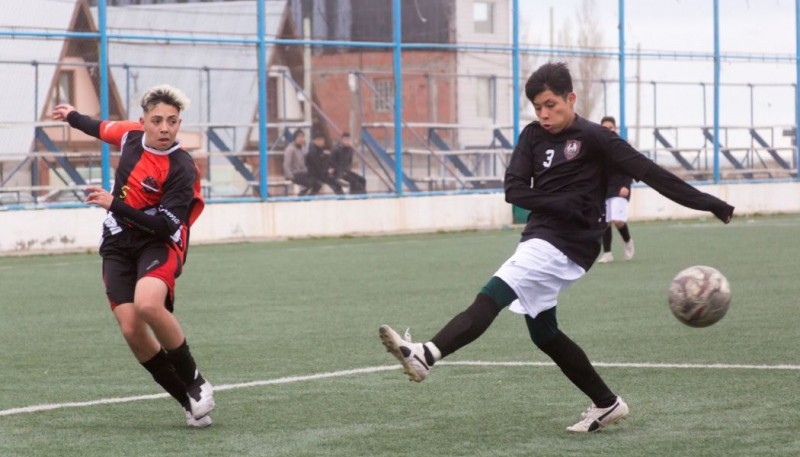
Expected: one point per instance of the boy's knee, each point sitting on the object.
(543, 328)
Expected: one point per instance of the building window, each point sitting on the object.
(483, 17)
(384, 95)
(485, 97)
(64, 90)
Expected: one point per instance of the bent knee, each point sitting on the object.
(148, 310)
(133, 331)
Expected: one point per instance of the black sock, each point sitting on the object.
(577, 367)
(626, 235)
(183, 362)
(164, 374)
(466, 326)
(607, 239)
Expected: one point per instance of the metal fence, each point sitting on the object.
(429, 91)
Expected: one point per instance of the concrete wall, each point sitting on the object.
(56, 230)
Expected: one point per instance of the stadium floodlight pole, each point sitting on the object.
(105, 152)
(262, 101)
(716, 91)
(397, 36)
(515, 66)
(623, 125)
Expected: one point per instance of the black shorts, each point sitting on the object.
(123, 268)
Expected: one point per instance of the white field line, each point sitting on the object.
(366, 370)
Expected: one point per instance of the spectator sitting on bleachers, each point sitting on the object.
(294, 164)
(319, 165)
(342, 159)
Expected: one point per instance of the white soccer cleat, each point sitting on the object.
(203, 422)
(629, 250)
(411, 355)
(201, 397)
(594, 418)
(607, 257)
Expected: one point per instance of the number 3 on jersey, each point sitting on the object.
(550, 153)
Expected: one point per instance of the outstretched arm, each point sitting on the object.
(679, 191)
(77, 120)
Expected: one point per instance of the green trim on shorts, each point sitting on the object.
(499, 291)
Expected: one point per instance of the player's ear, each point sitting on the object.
(141, 120)
(571, 98)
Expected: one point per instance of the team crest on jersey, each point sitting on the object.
(150, 185)
(572, 149)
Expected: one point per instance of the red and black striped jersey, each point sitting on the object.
(165, 184)
(156, 193)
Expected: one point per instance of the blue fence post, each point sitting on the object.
(716, 91)
(515, 72)
(105, 152)
(397, 37)
(796, 83)
(623, 124)
(262, 101)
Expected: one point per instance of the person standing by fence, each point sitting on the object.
(618, 196)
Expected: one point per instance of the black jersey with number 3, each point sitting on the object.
(562, 178)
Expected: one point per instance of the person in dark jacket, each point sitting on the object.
(342, 158)
(320, 166)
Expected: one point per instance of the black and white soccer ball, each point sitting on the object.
(699, 296)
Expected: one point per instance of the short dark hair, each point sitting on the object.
(609, 119)
(298, 133)
(345, 134)
(552, 76)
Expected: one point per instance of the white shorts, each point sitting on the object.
(537, 272)
(616, 209)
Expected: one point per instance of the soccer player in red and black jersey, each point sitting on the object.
(156, 198)
(559, 171)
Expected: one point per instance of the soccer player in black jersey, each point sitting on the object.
(156, 198)
(618, 194)
(558, 171)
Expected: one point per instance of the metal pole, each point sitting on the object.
(796, 83)
(605, 97)
(398, 95)
(515, 65)
(35, 161)
(127, 90)
(623, 127)
(705, 113)
(262, 101)
(105, 151)
(716, 91)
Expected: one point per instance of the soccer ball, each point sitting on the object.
(699, 296)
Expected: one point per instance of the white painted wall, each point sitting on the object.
(475, 64)
(55, 230)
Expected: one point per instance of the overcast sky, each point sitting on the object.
(746, 26)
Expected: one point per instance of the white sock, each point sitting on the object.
(435, 352)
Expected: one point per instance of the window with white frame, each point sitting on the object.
(483, 16)
(384, 95)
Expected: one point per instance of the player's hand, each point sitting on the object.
(60, 112)
(624, 192)
(724, 213)
(98, 196)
